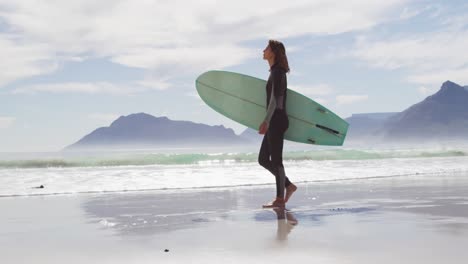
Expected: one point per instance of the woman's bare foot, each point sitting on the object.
(277, 203)
(291, 219)
(289, 191)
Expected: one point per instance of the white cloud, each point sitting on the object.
(104, 117)
(20, 61)
(350, 99)
(6, 121)
(193, 94)
(425, 90)
(155, 83)
(168, 36)
(422, 53)
(436, 78)
(410, 12)
(84, 88)
(185, 59)
(318, 89)
(321, 101)
(429, 58)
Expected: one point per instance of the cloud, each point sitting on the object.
(104, 117)
(429, 58)
(155, 83)
(6, 121)
(83, 88)
(318, 89)
(350, 99)
(185, 59)
(321, 101)
(436, 78)
(21, 61)
(425, 90)
(193, 94)
(426, 52)
(410, 12)
(169, 37)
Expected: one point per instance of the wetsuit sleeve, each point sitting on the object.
(271, 106)
(275, 94)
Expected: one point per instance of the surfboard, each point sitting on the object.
(242, 98)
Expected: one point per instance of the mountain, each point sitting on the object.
(251, 135)
(366, 124)
(443, 115)
(143, 130)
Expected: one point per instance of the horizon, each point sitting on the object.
(78, 65)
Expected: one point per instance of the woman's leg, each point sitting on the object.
(280, 124)
(264, 158)
(275, 143)
(264, 154)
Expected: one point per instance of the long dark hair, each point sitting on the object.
(280, 54)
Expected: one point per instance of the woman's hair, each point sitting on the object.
(280, 54)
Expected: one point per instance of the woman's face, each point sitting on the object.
(268, 53)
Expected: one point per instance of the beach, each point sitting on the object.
(142, 132)
(401, 219)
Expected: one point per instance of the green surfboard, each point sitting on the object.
(242, 98)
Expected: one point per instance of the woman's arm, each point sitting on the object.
(276, 91)
(274, 98)
(271, 106)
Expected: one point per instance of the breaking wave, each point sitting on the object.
(199, 158)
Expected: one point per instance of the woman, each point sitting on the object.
(276, 122)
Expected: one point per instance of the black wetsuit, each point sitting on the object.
(271, 151)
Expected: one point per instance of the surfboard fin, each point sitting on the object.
(329, 130)
(321, 110)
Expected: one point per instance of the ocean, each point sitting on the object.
(64, 173)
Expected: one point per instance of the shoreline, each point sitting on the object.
(254, 173)
(413, 219)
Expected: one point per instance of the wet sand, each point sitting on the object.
(410, 219)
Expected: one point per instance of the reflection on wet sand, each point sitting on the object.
(286, 222)
(146, 214)
(149, 214)
(386, 221)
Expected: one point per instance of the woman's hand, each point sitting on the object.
(263, 128)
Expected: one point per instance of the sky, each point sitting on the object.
(69, 67)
